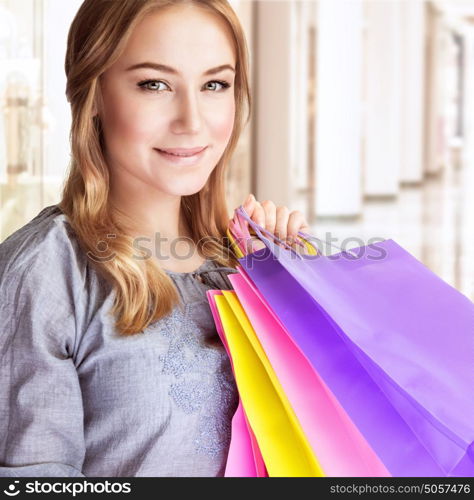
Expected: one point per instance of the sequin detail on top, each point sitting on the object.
(204, 381)
(214, 435)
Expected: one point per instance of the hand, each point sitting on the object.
(278, 220)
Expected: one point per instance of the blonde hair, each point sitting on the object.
(144, 292)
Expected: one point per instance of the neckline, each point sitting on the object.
(186, 273)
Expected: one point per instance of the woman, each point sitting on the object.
(110, 362)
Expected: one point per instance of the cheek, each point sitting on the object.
(128, 121)
(222, 125)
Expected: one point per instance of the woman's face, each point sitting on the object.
(186, 106)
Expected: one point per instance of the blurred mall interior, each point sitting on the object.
(363, 119)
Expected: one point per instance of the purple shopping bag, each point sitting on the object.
(394, 343)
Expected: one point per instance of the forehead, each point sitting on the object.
(188, 38)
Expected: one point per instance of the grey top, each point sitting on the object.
(78, 399)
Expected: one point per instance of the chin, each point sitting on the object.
(185, 189)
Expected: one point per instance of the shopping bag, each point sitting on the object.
(244, 458)
(340, 447)
(393, 342)
(282, 442)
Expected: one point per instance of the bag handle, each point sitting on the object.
(240, 211)
(306, 237)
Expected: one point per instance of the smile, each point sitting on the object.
(182, 159)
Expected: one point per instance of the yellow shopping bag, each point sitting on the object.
(280, 437)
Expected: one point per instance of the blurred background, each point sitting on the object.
(363, 120)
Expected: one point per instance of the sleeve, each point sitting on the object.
(41, 411)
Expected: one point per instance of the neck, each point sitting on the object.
(155, 219)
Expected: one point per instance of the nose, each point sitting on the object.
(189, 117)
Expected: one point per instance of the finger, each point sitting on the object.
(270, 215)
(305, 227)
(249, 204)
(258, 217)
(296, 222)
(258, 214)
(281, 222)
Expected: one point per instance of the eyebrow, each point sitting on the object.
(168, 69)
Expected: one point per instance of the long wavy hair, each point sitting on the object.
(144, 293)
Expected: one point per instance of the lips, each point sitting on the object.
(184, 152)
(190, 157)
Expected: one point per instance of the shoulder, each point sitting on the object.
(44, 246)
(48, 287)
(45, 273)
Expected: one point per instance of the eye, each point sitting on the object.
(224, 85)
(144, 85)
